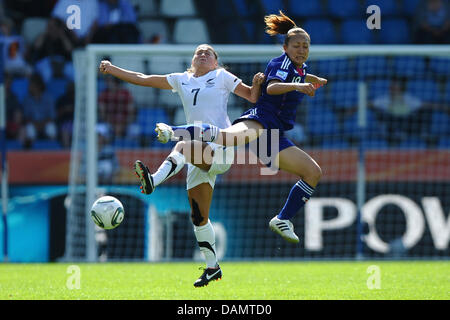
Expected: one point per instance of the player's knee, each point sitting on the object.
(180, 146)
(316, 173)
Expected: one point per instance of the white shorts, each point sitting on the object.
(222, 160)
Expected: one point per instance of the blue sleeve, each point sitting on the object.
(274, 71)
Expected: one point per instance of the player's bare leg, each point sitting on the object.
(296, 161)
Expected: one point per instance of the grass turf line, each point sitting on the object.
(241, 281)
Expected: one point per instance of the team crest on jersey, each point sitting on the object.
(210, 83)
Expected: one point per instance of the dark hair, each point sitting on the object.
(282, 24)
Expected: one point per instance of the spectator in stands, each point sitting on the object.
(13, 60)
(88, 15)
(55, 41)
(116, 22)
(108, 164)
(116, 106)
(399, 111)
(433, 22)
(14, 112)
(39, 111)
(65, 107)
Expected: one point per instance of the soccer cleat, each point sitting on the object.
(209, 274)
(164, 131)
(144, 176)
(284, 228)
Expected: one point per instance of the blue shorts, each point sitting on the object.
(269, 121)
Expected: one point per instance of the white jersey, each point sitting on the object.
(205, 98)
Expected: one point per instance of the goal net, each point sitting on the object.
(379, 130)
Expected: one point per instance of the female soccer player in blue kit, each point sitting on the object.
(286, 82)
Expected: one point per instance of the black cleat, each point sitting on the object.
(209, 274)
(144, 176)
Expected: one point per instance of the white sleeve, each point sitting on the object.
(174, 80)
(230, 81)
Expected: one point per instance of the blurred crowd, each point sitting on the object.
(39, 73)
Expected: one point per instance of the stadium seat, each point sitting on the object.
(19, 86)
(148, 118)
(126, 143)
(176, 8)
(191, 31)
(350, 125)
(46, 145)
(426, 90)
(356, 32)
(273, 6)
(335, 143)
(446, 97)
(32, 27)
(371, 66)
(410, 7)
(321, 31)
(243, 9)
(13, 145)
(387, 7)
(444, 142)
(440, 66)
(344, 93)
(306, 9)
(345, 9)
(56, 87)
(145, 8)
(440, 123)
(44, 68)
(408, 66)
(378, 88)
(413, 143)
(153, 27)
(395, 31)
(321, 121)
(374, 142)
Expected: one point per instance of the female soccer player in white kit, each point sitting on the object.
(204, 90)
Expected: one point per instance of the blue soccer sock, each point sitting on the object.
(299, 195)
(203, 132)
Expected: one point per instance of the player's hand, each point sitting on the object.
(306, 88)
(320, 82)
(105, 66)
(258, 79)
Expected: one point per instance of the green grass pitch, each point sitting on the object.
(241, 281)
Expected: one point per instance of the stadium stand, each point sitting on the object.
(240, 22)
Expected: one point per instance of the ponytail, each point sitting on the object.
(278, 24)
(282, 24)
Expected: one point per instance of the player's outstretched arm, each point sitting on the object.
(137, 78)
(315, 80)
(276, 87)
(251, 93)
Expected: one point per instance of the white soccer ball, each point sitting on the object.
(107, 212)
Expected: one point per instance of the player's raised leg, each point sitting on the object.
(238, 134)
(296, 161)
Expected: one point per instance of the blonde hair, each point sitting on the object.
(282, 24)
(210, 48)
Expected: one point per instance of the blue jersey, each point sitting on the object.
(283, 106)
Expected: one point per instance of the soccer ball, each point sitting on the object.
(107, 212)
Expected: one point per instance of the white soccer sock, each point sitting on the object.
(206, 239)
(170, 167)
